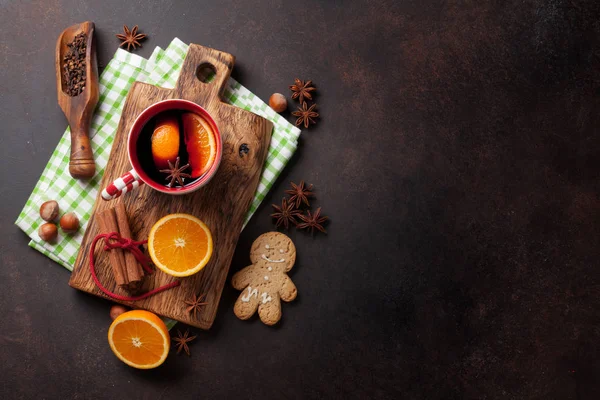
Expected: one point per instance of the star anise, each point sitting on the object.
(182, 340)
(302, 90)
(285, 214)
(305, 115)
(299, 194)
(313, 221)
(130, 38)
(195, 303)
(175, 172)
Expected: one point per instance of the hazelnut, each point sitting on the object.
(48, 232)
(117, 310)
(49, 210)
(69, 222)
(278, 102)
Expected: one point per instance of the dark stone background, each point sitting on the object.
(457, 156)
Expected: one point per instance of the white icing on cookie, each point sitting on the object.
(247, 296)
(266, 278)
(270, 268)
(274, 261)
(281, 251)
(265, 297)
(267, 246)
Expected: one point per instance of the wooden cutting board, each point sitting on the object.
(222, 204)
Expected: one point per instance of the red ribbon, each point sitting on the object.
(114, 241)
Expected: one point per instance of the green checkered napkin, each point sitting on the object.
(161, 69)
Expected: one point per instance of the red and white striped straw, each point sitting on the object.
(126, 183)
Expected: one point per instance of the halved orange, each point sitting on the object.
(180, 244)
(200, 143)
(140, 339)
(165, 140)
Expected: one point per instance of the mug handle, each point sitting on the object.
(126, 183)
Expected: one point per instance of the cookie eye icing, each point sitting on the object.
(267, 246)
(266, 278)
(281, 251)
(264, 257)
(270, 268)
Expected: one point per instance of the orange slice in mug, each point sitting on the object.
(140, 339)
(165, 140)
(200, 143)
(180, 244)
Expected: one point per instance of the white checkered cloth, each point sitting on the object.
(161, 69)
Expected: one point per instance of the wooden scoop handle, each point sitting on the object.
(81, 164)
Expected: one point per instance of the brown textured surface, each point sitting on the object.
(221, 204)
(457, 156)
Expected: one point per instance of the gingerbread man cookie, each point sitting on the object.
(265, 282)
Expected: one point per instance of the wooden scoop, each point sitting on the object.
(79, 109)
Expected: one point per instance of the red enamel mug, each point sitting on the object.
(137, 176)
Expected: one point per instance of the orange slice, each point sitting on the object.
(165, 140)
(140, 339)
(180, 244)
(200, 143)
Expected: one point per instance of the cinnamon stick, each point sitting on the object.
(108, 223)
(132, 267)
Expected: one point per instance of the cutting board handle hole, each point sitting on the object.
(206, 72)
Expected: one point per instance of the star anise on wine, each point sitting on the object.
(176, 173)
(130, 38)
(182, 340)
(305, 115)
(285, 214)
(195, 304)
(312, 221)
(302, 90)
(300, 194)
